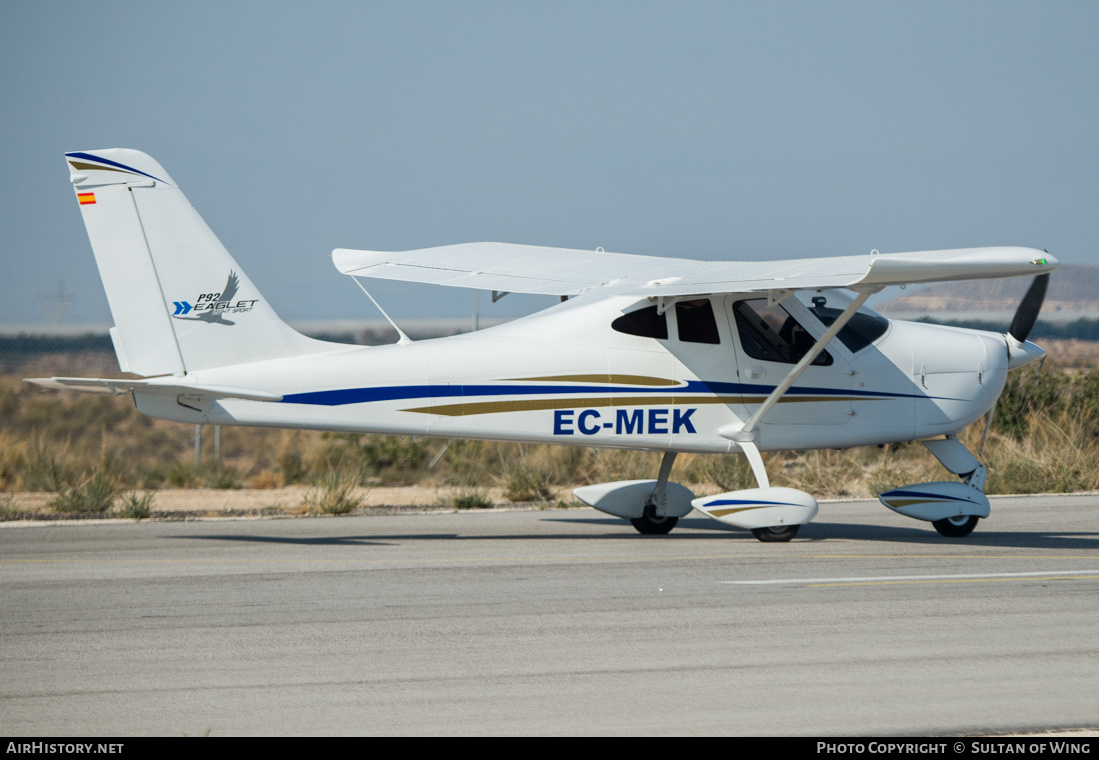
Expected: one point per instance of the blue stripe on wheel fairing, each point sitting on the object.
(921, 494)
(733, 502)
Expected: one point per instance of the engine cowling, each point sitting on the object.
(759, 507)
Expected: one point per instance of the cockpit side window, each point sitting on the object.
(771, 334)
(645, 323)
(695, 321)
(863, 329)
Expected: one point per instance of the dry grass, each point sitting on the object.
(337, 492)
(1060, 455)
(135, 505)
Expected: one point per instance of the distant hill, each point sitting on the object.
(1074, 288)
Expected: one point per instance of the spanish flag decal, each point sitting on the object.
(86, 199)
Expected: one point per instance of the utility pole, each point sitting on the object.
(55, 303)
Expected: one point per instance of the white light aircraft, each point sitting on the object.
(659, 354)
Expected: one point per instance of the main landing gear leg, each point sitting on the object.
(774, 534)
(774, 515)
(956, 458)
(653, 521)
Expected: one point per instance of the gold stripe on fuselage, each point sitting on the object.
(528, 405)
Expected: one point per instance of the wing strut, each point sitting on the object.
(746, 433)
(402, 339)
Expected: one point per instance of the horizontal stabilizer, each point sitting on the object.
(564, 271)
(118, 387)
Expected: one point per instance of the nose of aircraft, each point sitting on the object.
(960, 372)
(1022, 353)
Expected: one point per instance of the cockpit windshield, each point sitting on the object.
(863, 329)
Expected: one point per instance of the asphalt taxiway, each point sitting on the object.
(552, 622)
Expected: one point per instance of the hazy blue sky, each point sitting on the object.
(713, 130)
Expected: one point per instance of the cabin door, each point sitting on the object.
(769, 339)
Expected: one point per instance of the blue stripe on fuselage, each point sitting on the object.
(403, 392)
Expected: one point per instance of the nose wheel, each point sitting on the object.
(956, 527)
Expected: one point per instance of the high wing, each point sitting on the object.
(501, 266)
(566, 272)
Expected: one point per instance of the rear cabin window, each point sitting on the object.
(695, 321)
(773, 335)
(645, 323)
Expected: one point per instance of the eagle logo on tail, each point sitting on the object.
(212, 311)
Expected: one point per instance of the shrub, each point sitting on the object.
(264, 480)
(825, 473)
(1028, 391)
(136, 506)
(472, 498)
(1059, 456)
(528, 484)
(43, 470)
(729, 472)
(392, 452)
(469, 462)
(334, 493)
(95, 495)
(182, 475)
(292, 467)
(224, 478)
(151, 477)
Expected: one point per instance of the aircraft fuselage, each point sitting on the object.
(565, 376)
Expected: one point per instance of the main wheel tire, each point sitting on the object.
(776, 534)
(654, 526)
(956, 527)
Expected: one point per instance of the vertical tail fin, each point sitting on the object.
(179, 301)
